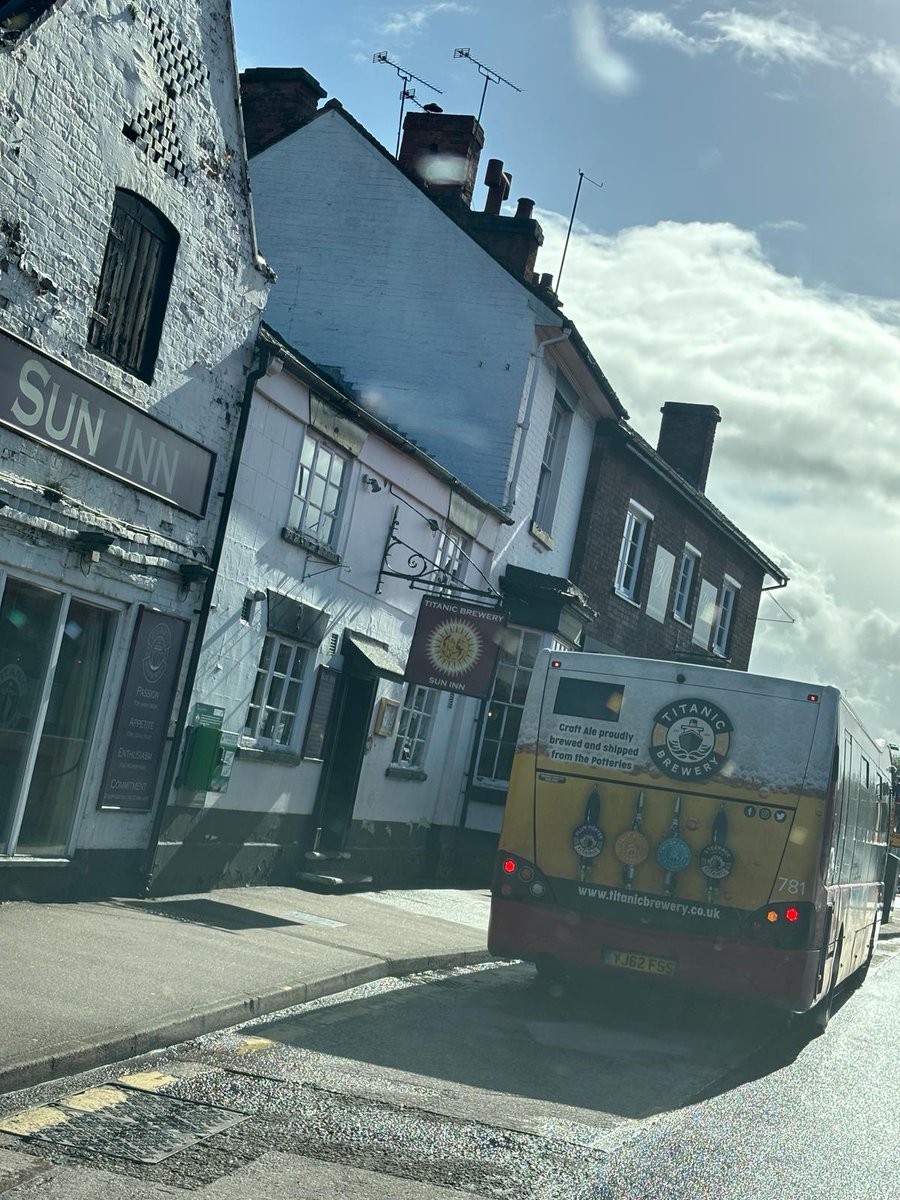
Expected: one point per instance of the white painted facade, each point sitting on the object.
(68, 87)
(434, 335)
(278, 784)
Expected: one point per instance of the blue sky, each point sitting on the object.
(743, 250)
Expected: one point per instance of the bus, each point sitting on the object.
(709, 828)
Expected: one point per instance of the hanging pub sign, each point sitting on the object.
(144, 711)
(455, 646)
(44, 400)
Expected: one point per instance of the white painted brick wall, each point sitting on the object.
(66, 89)
(256, 557)
(373, 278)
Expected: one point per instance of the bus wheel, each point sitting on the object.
(549, 969)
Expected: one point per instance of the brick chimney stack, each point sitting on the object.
(442, 149)
(275, 102)
(686, 436)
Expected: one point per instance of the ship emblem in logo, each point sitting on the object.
(690, 739)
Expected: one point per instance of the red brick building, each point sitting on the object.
(668, 575)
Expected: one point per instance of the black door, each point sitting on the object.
(343, 763)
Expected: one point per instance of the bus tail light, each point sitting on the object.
(781, 924)
(518, 879)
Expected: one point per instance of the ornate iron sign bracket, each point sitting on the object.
(423, 573)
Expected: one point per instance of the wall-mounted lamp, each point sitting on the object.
(90, 543)
(194, 573)
(372, 483)
(250, 600)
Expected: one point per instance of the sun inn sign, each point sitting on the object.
(50, 403)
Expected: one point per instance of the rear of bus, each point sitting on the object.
(667, 820)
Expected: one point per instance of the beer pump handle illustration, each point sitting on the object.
(631, 847)
(673, 853)
(716, 860)
(588, 838)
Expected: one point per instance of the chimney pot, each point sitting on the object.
(525, 208)
(686, 436)
(547, 281)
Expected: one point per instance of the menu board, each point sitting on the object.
(144, 711)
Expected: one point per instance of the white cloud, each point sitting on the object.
(600, 64)
(782, 40)
(414, 20)
(642, 26)
(777, 39)
(807, 457)
(785, 226)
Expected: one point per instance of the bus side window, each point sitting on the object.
(849, 805)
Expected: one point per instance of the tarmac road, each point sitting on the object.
(478, 1081)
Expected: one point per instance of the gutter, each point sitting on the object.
(262, 359)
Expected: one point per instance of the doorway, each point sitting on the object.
(343, 764)
(54, 655)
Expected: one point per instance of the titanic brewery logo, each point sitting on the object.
(690, 739)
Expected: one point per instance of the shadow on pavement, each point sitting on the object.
(607, 1046)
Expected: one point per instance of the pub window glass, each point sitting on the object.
(126, 324)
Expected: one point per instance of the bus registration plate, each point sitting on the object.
(639, 962)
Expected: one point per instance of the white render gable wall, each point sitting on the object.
(428, 329)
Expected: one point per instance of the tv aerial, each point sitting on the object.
(490, 76)
(406, 92)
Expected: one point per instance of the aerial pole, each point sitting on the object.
(490, 76)
(581, 179)
(406, 93)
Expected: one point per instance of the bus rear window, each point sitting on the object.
(588, 698)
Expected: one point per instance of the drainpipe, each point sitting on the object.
(262, 360)
(509, 492)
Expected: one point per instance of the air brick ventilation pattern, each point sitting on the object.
(180, 72)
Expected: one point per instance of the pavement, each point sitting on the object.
(86, 984)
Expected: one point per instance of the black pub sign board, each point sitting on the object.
(144, 711)
(44, 400)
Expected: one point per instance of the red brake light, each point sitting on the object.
(509, 866)
(792, 914)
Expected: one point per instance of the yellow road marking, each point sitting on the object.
(250, 1044)
(147, 1081)
(94, 1099)
(32, 1120)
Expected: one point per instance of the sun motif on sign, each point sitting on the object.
(454, 647)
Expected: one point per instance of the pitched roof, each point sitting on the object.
(327, 386)
(541, 294)
(638, 446)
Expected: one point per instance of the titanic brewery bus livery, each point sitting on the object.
(724, 830)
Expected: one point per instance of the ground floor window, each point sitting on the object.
(414, 726)
(500, 726)
(272, 715)
(54, 655)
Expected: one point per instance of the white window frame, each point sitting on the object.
(544, 640)
(451, 559)
(553, 459)
(684, 587)
(264, 679)
(414, 727)
(726, 602)
(638, 521)
(314, 520)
